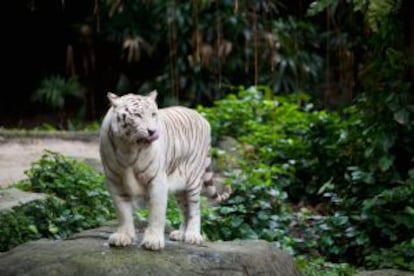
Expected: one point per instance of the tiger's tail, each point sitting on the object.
(211, 189)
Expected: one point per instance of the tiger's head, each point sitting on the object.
(135, 117)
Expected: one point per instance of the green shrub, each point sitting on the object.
(284, 132)
(77, 200)
(54, 90)
(320, 267)
(400, 255)
(251, 212)
(344, 184)
(31, 221)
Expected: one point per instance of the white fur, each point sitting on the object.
(137, 164)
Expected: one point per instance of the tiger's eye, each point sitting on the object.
(138, 115)
(154, 114)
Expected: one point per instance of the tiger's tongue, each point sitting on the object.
(153, 137)
(149, 139)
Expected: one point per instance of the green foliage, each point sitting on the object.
(204, 46)
(317, 7)
(376, 12)
(77, 200)
(16, 228)
(382, 179)
(54, 90)
(295, 62)
(317, 182)
(285, 133)
(283, 152)
(400, 255)
(76, 125)
(70, 125)
(34, 220)
(320, 267)
(251, 212)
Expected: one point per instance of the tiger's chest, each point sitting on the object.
(139, 172)
(132, 185)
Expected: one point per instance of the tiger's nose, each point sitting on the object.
(151, 132)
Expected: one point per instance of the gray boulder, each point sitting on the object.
(88, 253)
(385, 272)
(13, 197)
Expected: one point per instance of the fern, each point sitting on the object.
(375, 11)
(360, 5)
(379, 10)
(318, 6)
(55, 89)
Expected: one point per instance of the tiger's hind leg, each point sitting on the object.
(178, 235)
(192, 233)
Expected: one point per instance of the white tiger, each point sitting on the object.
(149, 152)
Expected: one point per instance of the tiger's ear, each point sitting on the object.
(153, 95)
(112, 98)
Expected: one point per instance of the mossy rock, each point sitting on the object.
(89, 254)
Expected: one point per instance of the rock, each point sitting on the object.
(12, 197)
(88, 253)
(385, 272)
(227, 155)
(229, 145)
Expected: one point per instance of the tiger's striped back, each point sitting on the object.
(187, 142)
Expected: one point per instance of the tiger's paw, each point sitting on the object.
(152, 241)
(121, 239)
(177, 235)
(193, 238)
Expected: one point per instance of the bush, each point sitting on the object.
(252, 210)
(317, 182)
(77, 199)
(286, 133)
(33, 221)
(320, 267)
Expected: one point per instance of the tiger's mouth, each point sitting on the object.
(149, 139)
(153, 137)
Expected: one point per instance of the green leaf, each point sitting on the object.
(317, 7)
(386, 162)
(53, 229)
(236, 222)
(327, 186)
(411, 173)
(402, 117)
(33, 229)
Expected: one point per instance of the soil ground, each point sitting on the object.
(16, 155)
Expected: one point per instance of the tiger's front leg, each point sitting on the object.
(125, 234)
(158, 194)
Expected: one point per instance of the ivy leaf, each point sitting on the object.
(386, 162)
(33, 229)
(318, 6)
(402, 116)
(411, 173)
(53, 228)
